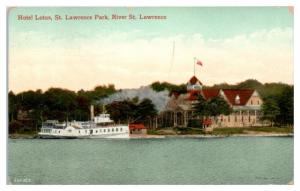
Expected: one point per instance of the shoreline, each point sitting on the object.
(136, 136)
(212, 136)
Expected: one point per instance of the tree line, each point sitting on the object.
(132, 110)
(28, 109)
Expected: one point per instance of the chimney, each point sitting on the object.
(92, 112)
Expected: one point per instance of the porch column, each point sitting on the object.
(185, 118)
(174, 118)
(241, 117)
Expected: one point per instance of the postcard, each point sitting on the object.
(150, 96)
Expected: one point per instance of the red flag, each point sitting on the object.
(199, 62)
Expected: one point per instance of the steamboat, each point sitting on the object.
(100, 126)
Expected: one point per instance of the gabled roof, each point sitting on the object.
(207, 93)
(194, 80)
(230, 94)
(243, 94)
(193, 94)
(210, 93)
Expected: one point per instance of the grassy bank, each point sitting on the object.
(23, 135)
(252, 130)
(223, 131)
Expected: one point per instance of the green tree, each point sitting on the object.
(201, 107)
(286, 104)
(218, 106)
(121, 111)
(212, 107)
(145, 110)
(61, 103)
(13, 106)
(130, 110)
(270, 110)
(161, 86)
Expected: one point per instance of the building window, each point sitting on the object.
(257, 102)
(121, 129)
(96, 131)
(117, 129)
(104, 130)
(108, 130)
(249, 119)
(251, 102)
(79, 131)
(237, 99)
(235, 118)
(242, 118)
(228, 118)
(112, 129)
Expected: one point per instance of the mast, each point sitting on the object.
(194, 65)
(172, 59)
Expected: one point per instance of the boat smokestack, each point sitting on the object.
(92, 112)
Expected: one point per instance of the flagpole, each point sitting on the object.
(194, 65)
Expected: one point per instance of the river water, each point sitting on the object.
(230, 160)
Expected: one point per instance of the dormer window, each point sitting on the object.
(237, 99)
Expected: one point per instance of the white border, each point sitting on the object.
(153, 3)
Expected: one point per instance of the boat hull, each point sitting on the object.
(103, 136)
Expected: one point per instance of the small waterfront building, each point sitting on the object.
(245, 103)
(137, 128)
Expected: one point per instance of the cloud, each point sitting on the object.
(42, 60)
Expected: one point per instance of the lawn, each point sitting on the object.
(220, 131)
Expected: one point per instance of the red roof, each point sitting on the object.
(210, 93)
(176, 94)
(244, 95)
(230, 94)
(194, 80)
(136, 126)
(207, 93)
(193, 94)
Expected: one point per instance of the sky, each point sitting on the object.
(233, 43)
